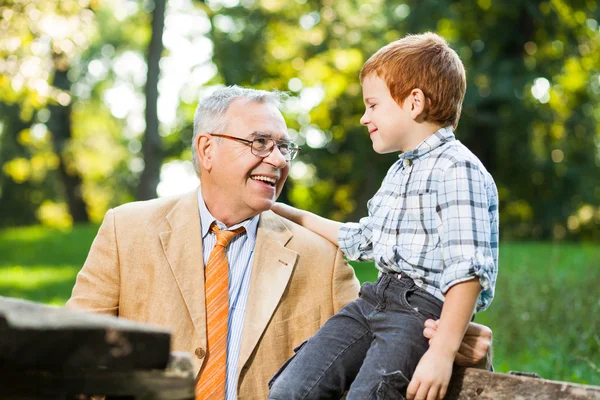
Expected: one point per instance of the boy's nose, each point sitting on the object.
(364, 120)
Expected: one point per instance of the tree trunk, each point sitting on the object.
(17, 206)
(152, 147)
(59, 125)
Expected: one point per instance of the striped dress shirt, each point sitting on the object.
(240, 254)
(435, 219)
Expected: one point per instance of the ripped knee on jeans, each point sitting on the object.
(392, 386)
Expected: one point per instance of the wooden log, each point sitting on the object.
(35, 336)
(477, 384)
(176, 382)
(148, 385)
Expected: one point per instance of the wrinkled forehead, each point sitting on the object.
(249, 117)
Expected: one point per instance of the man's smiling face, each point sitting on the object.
(241, 184)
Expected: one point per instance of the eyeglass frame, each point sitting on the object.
(276, 142)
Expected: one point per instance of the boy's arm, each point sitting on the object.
(353, 238)
(434, 370)
(325, 227)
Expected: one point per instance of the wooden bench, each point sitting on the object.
(54, 353)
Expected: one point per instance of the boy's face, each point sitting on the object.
(389, 124)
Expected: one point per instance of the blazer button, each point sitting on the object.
(200, 353)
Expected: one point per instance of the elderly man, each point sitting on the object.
(238, 286)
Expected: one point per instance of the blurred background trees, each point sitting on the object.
(96, 109)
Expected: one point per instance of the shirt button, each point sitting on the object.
(419, 282)
(200, 353)
(408, 162)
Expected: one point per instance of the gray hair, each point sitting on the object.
(210, 113)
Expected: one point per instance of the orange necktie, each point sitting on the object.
(211, 383)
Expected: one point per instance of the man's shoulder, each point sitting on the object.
(148, 209)
(304, 239)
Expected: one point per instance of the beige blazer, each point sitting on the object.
(146, 265)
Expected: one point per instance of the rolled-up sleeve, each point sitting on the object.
(355, 240)
(465, 231)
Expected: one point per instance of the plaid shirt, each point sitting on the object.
(435, 219)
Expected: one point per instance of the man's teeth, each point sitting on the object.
(272, 181)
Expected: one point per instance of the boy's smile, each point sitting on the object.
(383, 117)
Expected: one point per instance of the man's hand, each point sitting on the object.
(475, 345)
(431, 378)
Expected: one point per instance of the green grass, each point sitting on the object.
(545, 317)
(41, 264)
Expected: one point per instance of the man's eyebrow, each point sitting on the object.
(260, 134)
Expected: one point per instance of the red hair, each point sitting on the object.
(423, 62)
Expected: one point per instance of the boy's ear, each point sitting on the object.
(205, 146)
(419, 105)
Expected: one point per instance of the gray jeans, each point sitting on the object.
(369, 349)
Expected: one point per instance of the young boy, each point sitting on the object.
(432, 230)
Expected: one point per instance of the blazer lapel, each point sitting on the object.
(182, 245)
(271, 271)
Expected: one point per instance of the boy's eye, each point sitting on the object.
(372, 106)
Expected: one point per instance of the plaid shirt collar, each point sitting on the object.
(434, 141)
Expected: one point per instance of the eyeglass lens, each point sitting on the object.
(262, 147)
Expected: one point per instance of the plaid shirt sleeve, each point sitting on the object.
(355, 240)
(463, 205)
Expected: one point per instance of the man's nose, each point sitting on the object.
(276, 158)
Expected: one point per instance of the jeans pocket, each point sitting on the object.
(285, 364)
(421, 304)
(392, 386)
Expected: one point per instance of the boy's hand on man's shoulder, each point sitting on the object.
(475, 346)
(289, 212)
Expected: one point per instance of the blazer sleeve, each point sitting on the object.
(98, 284)
(345, 284)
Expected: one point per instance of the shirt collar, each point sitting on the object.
(206, 220)
(434, 141)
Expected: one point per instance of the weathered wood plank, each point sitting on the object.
(476, 384)
(147, 385)
(35, 336)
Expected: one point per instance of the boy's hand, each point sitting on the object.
(289, 212)
(476, 343)
(324, 227)
(431, 378)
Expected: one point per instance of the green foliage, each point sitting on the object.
(38, 38)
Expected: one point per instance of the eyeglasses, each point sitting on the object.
(263, 146)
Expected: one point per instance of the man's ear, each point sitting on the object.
(205, 146)
(419, 105)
